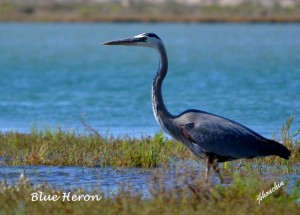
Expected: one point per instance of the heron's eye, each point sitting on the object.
(189, 125)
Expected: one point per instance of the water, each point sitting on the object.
(54, 74)
(70, 178)
(110, 181)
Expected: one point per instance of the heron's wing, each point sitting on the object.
(226, 138)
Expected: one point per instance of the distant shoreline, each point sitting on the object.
(138, 19)
(144, 11)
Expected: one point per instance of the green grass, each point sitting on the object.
(69, 148)
(59, 148)
(182, 197)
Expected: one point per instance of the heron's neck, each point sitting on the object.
(162, 115)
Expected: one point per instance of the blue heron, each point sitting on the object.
(210, 137)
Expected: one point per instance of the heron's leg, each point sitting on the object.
(208, 165)
(217, 170)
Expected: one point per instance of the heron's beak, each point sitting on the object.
(127, 41)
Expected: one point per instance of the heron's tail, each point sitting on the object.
(279, 149)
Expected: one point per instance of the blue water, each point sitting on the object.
(107, 180)
(110, 181)
(54, 74)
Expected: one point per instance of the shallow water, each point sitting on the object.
(53, 74)
(109, 181)
(66, 178)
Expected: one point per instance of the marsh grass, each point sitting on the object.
(60, 148)
(70, 148)
(184, 194)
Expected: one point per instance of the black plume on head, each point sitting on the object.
(151, 35)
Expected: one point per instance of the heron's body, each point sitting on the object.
(208, 136)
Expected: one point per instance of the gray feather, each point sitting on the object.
(223, 137)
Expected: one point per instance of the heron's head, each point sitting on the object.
(146, 39)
